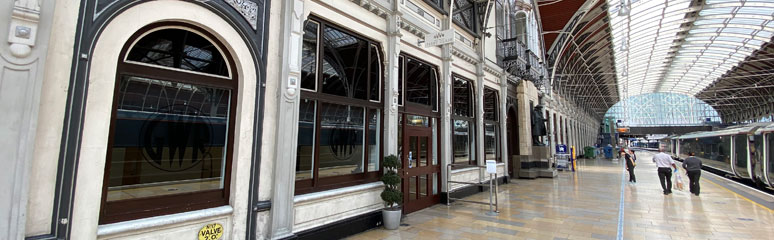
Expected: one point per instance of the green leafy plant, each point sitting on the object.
(391, 195)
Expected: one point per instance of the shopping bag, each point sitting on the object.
(678, 182)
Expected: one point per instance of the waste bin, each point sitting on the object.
(588, 152)
(608, 151)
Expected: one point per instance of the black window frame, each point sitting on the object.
(493, 120)
(470, 118)
(131, 209)
(316, 183)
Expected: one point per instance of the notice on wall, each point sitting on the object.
(440, 38)
(211, 232)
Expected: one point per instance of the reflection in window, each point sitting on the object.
(345, 64)
(490, 141)
(345, 83)
(374, 123)
(305, 153)
(462, 139)
(179, 48)
(341, 139)
(309, 56)
(714, 151)
(420, 83)
(463, 97)
(490, 104)
(375, 74)
(168, 138)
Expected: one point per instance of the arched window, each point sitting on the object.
(340, 120)
(491, 125)
(520, 26)
(463, 121)
(170, 142)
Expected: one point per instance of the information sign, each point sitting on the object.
(440, 38)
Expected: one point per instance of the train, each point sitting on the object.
(744, 152)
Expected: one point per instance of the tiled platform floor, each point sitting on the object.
(585, 205)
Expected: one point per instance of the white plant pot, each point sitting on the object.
(391, 218)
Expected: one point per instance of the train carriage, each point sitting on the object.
(743, 152)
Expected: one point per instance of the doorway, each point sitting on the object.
(513, 142)
(421, 170)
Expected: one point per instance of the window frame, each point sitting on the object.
(471, 119)
(317, 183)
(495, 121)
(131, 209)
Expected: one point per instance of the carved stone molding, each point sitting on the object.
(248, 9)
(24, 27)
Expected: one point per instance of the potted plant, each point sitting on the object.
(391, 195)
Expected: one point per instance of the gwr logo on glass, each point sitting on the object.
(176, 138)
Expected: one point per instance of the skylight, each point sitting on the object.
(660, 47)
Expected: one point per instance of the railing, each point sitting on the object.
(517, 59)
(492, 188)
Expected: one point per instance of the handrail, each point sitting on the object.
(492, 186)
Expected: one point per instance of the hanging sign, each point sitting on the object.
(211, 232)
(440, 38)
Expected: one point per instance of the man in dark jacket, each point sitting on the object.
(692, 165)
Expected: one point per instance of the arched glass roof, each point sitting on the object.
(680, 46)
(663, 109)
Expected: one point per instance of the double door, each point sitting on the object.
(421, 169)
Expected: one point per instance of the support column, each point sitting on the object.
(480, 75)
(392, 93)
(504, 154)
(445, 105)
(283, 187)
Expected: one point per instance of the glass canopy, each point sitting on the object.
(663, 109)
(673, 46)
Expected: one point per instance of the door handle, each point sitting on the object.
(405, 173)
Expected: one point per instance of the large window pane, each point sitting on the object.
(461, 141)
(770, 155)
(420, 82)
(179, 48)
(305, 154)
(374, 127)
(490, 141)
(345, 64)
(490, 104)
(375, 74)
(462, 97)
(341, 139)
(168, 138)
(309, 56)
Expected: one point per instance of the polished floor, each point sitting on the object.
(585, 205)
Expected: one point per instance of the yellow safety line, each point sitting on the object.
(738, 195)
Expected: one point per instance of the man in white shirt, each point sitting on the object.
(664, 162)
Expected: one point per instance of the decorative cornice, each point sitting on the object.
(373, 7)
(496, 72)
(464, 56)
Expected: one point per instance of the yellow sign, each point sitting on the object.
(211, 232)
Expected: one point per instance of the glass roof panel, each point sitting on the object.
(662, 54)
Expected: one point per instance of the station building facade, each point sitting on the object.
(261, 119)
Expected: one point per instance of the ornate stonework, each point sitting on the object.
(248, 9)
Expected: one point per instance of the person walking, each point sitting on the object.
(692, 166)
(664, 163)
(630, 165)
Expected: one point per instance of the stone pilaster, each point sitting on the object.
(504, 122)
(392, 93)
(287, 134)
(445, 105)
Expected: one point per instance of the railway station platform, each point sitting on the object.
(597, 202)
